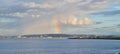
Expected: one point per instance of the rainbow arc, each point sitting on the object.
(56, 25)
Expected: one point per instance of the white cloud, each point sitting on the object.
(72, 1)
(76, 22)
(37, 5)
(17, 14)
(35, 16)
(33, 5)
(86, 2)
(23, 15)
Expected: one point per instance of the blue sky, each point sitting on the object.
(100, 17)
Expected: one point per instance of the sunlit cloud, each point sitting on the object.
(75, 21)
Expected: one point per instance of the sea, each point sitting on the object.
(59, 46)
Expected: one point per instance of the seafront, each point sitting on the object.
(62, 36)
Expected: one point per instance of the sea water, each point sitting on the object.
(59, 46)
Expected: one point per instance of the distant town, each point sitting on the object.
(62, 36)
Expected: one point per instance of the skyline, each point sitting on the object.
(100, 17)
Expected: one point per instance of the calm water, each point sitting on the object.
(59, 46)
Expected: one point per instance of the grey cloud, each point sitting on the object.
(56, 7)
(118, 25)
(13, 9)
(98, 22)
(9, 23)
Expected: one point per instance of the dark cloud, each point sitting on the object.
(13, 9)
(98, 22)
(118, 25)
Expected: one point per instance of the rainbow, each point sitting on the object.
(56, 24)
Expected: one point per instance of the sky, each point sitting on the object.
(99, 17)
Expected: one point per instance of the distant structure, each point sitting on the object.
(19, 36)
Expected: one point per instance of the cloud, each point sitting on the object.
(118, 25)
(46, 5)
(10, 25)
(55, 7)
(12, 14)
(28, 14)
(98, 22)
(72, 1)
(35, 5)
(108, 13)
(75, 21)
(34, 12)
